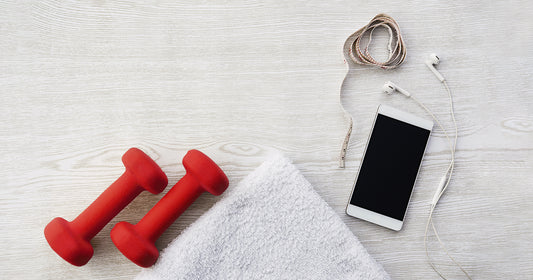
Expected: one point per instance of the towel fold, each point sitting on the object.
(272, 225)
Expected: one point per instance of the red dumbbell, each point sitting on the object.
(70, 240)
(136, 242)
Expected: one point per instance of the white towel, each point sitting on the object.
(272, 225)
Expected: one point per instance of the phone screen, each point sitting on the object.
(390, 166)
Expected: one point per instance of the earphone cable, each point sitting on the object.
(448, 173)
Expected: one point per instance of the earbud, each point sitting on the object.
(389, 88)
(431, 61)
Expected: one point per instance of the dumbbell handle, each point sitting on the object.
(119, 194)
(169, 208)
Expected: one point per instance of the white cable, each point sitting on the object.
(442, 186)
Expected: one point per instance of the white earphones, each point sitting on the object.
(389, 88)
(431, 61)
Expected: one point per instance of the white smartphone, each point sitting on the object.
(389, 168)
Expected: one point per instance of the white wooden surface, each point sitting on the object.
(81, 82)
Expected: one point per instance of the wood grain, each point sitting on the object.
(81, 82)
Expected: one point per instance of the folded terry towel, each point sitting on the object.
(272, 225)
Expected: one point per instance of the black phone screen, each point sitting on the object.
(389, 167)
